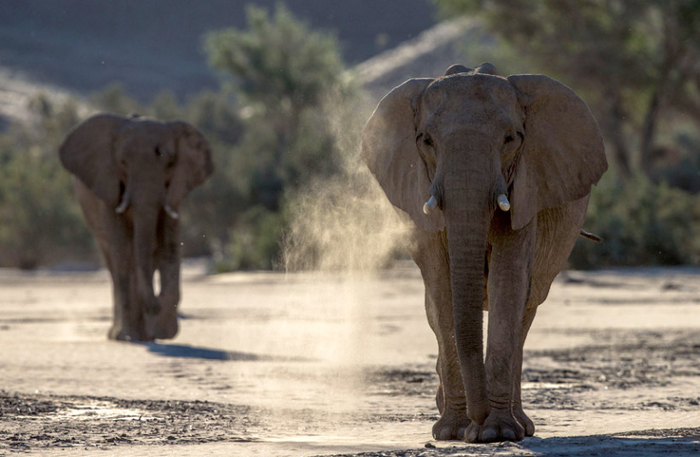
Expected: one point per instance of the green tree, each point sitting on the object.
(282, 73)
(635, 61)
(287, 81)
(114, 99)
(41, 222)
(641, 224)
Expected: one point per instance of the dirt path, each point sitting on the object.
(272, 364)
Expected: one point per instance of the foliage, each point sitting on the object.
(282, 73)
(40, 221)
(288, 81)
(641, 223)
(254, 243)
(634, 61)
(278, 63)
(682, 170)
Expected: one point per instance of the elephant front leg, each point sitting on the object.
(509, 282)
(450, 397)
(431, 256)
(164, 324)
(128, 323)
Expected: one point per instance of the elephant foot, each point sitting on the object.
(498, 426)
(162, 330)
(451, 426)
(164, 325)
(120, 333)
(524, 421)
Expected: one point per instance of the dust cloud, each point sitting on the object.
(343, 233)
(344, 224)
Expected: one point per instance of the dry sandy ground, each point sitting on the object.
(273, 364)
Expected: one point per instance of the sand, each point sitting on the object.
(275, 364)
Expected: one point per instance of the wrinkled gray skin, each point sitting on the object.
(130, 176)
(465, 138)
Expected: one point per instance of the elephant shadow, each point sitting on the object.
(202, 353)
(647, 443)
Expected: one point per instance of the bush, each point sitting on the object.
(641, 223)
(284, 76)
(255, 243)
(41, 222)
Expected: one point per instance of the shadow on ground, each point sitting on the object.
(202, 353)
(648, 443)
(683, 442)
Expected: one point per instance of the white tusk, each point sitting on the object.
(430, 205)
(123, 205)
(503, 202)
(171, 212)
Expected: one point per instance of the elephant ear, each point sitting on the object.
(194, 164)
(562, 154)
(87, 152)
(389, 150)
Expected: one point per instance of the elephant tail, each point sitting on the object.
(591, 236)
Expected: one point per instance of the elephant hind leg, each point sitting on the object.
(557, 231)
(517, 405)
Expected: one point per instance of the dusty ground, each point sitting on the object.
(272, 364)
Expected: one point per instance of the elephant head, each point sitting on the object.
(452, 151)
(142, 169)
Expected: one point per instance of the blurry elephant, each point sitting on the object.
(130, 176)
(495, 173)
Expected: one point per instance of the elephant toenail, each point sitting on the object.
(509, 435)
(489, 435)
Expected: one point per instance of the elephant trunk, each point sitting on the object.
(468, 206)
(145, 224)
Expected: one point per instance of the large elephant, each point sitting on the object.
(130, 176)
(495, 173)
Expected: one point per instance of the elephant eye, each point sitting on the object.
(509, 138)
(158, 152)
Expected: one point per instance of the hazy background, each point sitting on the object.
(155, 45)
(282, 91)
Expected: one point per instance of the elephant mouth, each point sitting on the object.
(125, 202)
(500, 197)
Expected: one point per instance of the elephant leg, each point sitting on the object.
(164, 325)
(557, 232)
(128, 324)
(510, 275)
(518, 413)
(119, 296)
(430, 253)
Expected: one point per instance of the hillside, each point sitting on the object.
(84, 45)
(76, 47)
(427, 55)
